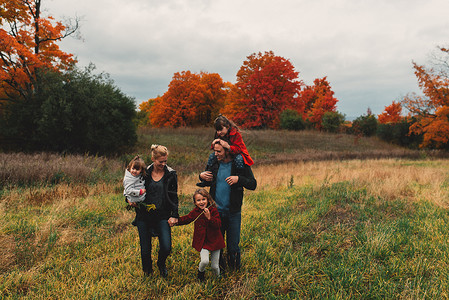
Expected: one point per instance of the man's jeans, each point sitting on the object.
(145, 233)
(230, 228)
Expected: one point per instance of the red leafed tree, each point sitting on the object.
(267, 85)
(191, 100)
(316, 100)
(232, 106)
(28, 43)
(391, 114)
(431, 110)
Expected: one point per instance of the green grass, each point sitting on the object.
(65, 232)
(318, 241)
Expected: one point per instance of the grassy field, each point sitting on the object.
(316, 227)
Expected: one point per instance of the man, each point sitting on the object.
(227, 178)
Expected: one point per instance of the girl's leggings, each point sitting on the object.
(214, 258)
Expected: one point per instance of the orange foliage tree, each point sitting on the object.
(28, 44)
(266, 85)
(191, 100)
(391, 114)
(316, 100)
(431, 111)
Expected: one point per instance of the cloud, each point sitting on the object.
(365, 48)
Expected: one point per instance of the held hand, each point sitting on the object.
(172, 222)
(232, 180)
(133, 204)
(225, 144)
(207, 213)
(206, 176)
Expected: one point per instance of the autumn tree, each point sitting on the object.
(315, 100)
(431, 110)
(191, 100)
(391, 114)
(267, 85)
(46, 103)
(29, 44)
(143, 115)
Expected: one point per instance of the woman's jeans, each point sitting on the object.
(146, 230)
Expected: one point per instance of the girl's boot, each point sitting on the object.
(201, 275)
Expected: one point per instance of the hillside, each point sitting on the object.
(189, 149)
(190, 146)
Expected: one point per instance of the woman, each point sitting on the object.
(161, 201)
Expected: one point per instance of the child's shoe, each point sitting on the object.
(201, 277)
(201, 184)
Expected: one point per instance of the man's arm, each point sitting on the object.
(246, 179)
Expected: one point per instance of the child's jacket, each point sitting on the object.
(237, 145)
(132, 186)
(207, 233)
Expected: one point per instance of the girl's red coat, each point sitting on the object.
(237, 145)
(206, 233)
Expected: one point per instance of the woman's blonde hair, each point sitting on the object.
(158, 151)
(204, 193)
(138, 164)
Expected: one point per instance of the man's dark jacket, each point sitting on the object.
(246, 180)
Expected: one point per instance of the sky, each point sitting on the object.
(365, 48)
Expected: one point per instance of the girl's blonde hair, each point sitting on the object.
(138, 164)
(204, 193)
(158, 151)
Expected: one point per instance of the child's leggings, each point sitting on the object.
(214, 258)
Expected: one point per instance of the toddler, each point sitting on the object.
(133, 182)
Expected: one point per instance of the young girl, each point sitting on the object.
(227, 130)
(229, 136)
(207, 237)
(133, 182)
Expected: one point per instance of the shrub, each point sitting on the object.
(365, 125)
(332, 121)
(398, 133)
(73, 112)
(291, 120)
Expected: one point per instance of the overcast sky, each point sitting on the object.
(364, 47)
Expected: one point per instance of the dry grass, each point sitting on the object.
(26, 169)
(387, 178)
(82, 233)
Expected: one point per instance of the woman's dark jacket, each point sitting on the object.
(169, 206)
(246, 180)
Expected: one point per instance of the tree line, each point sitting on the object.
(48, 103)
(267, 85)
